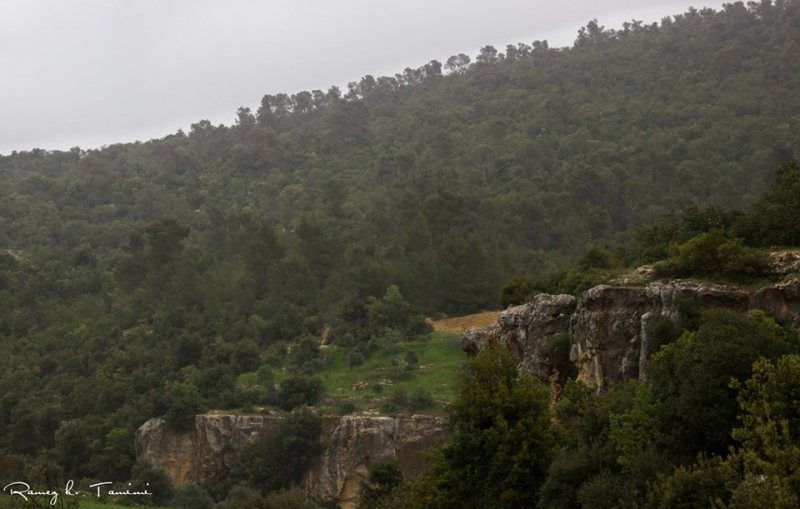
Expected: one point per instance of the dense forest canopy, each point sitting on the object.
(446, 179)
(141, 279)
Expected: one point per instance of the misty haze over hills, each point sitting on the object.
(94, 73)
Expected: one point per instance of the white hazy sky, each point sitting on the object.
(95, 72)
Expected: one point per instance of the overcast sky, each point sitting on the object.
(95, 72)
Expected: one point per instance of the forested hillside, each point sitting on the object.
(142, 279)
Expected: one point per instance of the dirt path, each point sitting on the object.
(459, 323)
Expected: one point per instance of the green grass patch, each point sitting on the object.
(438, 359)
(384, 371)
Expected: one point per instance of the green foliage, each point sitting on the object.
(304, 352)
(278, 463)
(601, 491)
(706, 483)
(146, 477)
(287, 499)
(595, 258)
(770, 436)
(183, 403)
(557, 351)
(772, 218)
(393, 312)
(420, 399)
(635, 431)
(715, 254)
(384, 476)
(585, 451)
(299, 390)
(517, 291)
(242, 497)
(660, 331)
(764, 470)
(500, 442)
(689, 396)
(191, 496)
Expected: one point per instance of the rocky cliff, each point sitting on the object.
(607, 326)
(211, 450)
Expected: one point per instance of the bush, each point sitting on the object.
(278, 464)
(191, 497)
(517, 291)
(772, 218)
(346, 408)
(304, 352)
(660, 331)
(420, 399)
(299, 390)
(411, 358)
(183, 403)
(384, 476)
(399, 398)
(355, 358)
(264, 375)
(714, 254)
(287, 499)
(557, 349)
(145, 476)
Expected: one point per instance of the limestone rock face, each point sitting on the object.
(359, 441)
(781, 300)
(211, 450)
(526, 330)
(605, 333)
(608, 329)
(207, 452)
(607, 326)
(476, 339)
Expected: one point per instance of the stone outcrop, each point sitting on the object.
(356, 442)
(607, 326)
(526, 330)
(211, 450)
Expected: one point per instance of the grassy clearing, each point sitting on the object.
(383, 372)
(438, 359)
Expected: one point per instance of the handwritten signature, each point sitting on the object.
(24, 490)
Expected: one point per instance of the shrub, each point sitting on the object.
(384, 476)
(145, 476)
(714, 254)
(191, 497)
(660, 331)
(278, 464)
(183, 403)
(399, 398)
(517, 291)
(355, 358)
(299, 390)
(420, 399)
